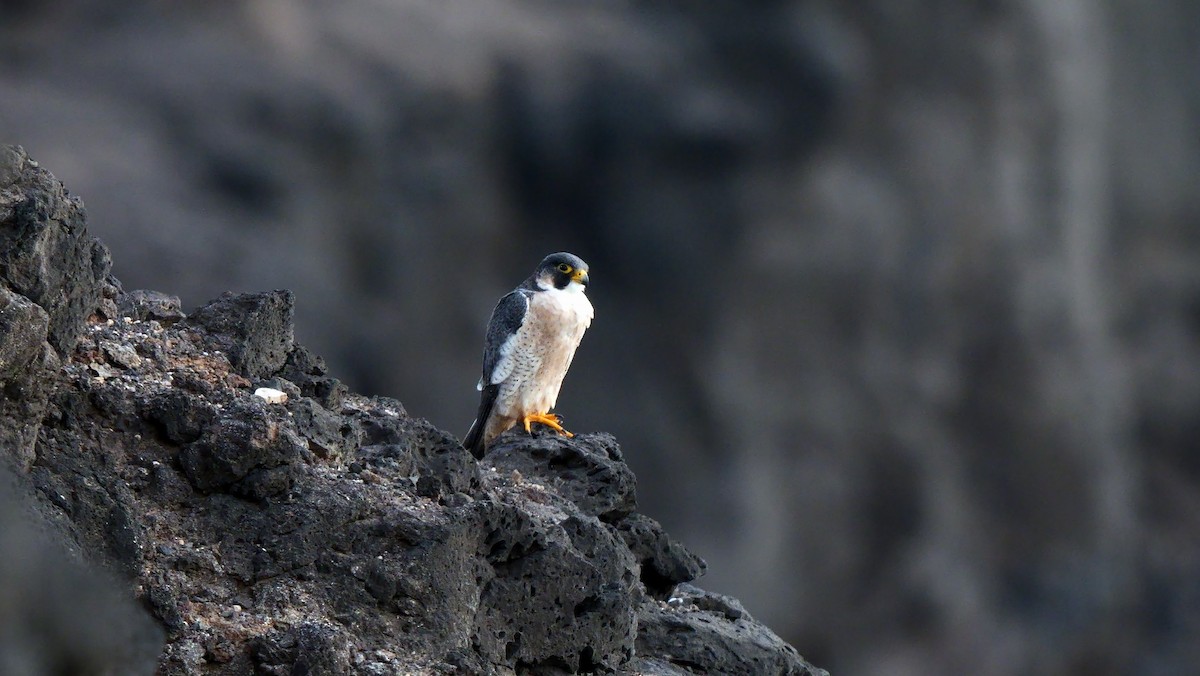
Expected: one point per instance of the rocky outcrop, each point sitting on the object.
(330, 534)
(52, 277)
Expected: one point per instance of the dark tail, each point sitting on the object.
(473, 442)
(474, 439)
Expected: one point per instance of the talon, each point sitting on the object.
(549, 420)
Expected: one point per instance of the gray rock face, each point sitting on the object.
(561, 591)
(46, 254)
(247, 450)
(664, 562)
(254, 329)
(712, 634)
(26, 360)
(333, 533)
(52, 277)
(589, 470)
(23, 326)
(143, 304)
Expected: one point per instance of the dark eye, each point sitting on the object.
(564, 268)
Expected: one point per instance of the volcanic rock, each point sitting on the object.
(330, 534)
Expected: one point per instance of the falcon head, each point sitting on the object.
(562, 271)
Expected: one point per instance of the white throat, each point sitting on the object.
(571, 301)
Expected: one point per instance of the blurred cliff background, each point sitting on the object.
(898, 303)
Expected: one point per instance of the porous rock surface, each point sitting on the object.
(330, 534)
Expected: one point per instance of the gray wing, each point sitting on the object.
(501, 336)
(497, 361)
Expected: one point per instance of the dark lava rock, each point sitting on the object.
(330, 534)
(587, 470)
(433, 457)
(328, 435)
(664, 562)
(562, 592)
(246, 451)
(26, 361)
(253, 329)
(181, 416)
(309, 373)
(23, 330)
(143, 305)
(51, 278)
(46, 253)
(309, 648)
(712, 634)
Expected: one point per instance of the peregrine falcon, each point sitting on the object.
(530, 342)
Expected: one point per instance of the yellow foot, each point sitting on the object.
(549, 420)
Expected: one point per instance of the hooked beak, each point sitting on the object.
(580, 276)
